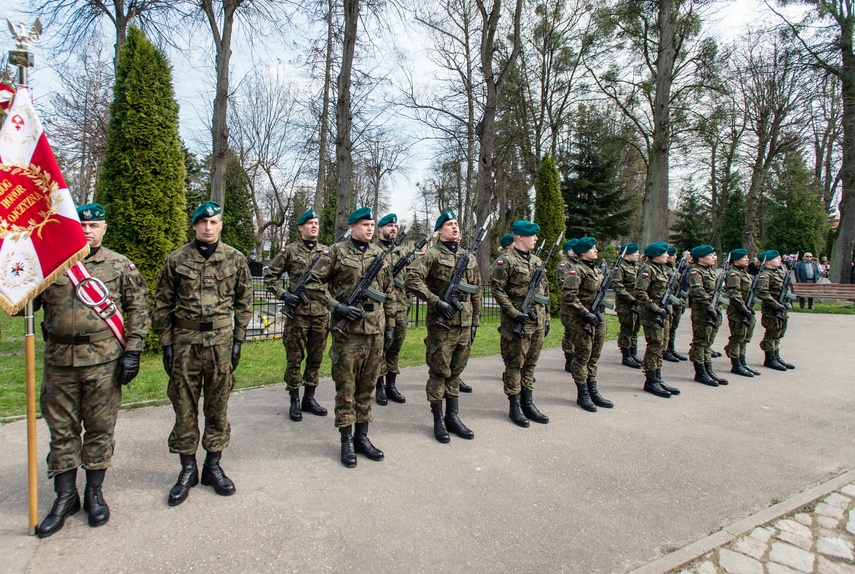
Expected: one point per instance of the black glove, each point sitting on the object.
(546, 330)
(522, 317)
(472, 330)
(236, 353)
(290, 299)
(633, 307)
(129, 367)
(388, 335)
(662, 313)
(748, 313)
(445, 310)
(167, 359)
(592, 318)
(349, 312)
(782, 307)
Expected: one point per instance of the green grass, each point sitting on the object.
(829, 308)
(262, 362)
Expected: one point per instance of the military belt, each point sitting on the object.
(80, 339)
(202, 325)
(463, 298)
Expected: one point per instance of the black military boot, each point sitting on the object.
(530, 410)
(628, 361)
(463, 387)
(782, 361)
(453, 422)
(702, 376)
(583, 398)
(515, 412)
(348, 453)
(674, 353)
(295, 413)
(363, 446)
(772, 362)
(713, 375)
(380, 393)
(673, 390)
(747, 368)
(653, 386)
(633, 351)
(597, 398)
(669, 355)
(213, 475)
(93, 498)
(392, 391)
(310, 405)
(737, 368)
(187, 479)
(439, 430)
(568, 362)
(67, 503)
(715, 354)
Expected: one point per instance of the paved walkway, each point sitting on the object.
(588, 493)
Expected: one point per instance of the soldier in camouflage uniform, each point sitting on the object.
(770, 283)
(387, 231)
(447, 345)
(357, 358)
(623, 284)
(512, 274)
(587, 326)
(85, 366)
(740, 318)
(706, 319)
(649, 289)
(202, 306)
(676, 313)
(305, 332)
(568, 260)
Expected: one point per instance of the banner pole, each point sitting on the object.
(32, 464)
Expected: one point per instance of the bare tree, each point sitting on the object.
(826, 129)
(344, 118)
(379, 156)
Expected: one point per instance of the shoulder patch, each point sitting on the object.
(562, 265)
(132, 266)
(572, 272)
(694, 272)
(762, 277)
(500, 262)
(282, 250)
(645, 274)
(326, 252)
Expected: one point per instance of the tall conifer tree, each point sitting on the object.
(549, 214)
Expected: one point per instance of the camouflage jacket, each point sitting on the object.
(649, 288)
(579, 291)
(67, 316)
(398, 253)
(430, 275)
(770, 283)
(510, 281)
(337, 275)
(563, 269)
(191, 288)
(623, 284)
(737, 287)
(294, 259)
(701, 282)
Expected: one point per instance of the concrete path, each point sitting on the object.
(587, 493)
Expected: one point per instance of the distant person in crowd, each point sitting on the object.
(807, 271)
(824, 267)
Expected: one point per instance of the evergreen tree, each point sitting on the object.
(595, 198)
(797, 217)
(733, 219)
(549, 214)
(238, 228)
(692, 226)
(141, 184)
(327, 233)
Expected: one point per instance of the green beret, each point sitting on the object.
(701, 251)
(506, 240)
(584, 245)
(568, 245)
(524, 228)
(311, 214)
(672, 251)
(91, 212)
(387, 219)
(767, 255)
(206, 209)
(358, 214)
(443, 217)
(630, 248)
(656, 249)
(738, 254)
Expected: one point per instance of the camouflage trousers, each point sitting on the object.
(196, 371)
(674, 319)
(356, 363)
(740, 333)
(446, 355)
(305, 337)
(588, 349)
(656, 337)
(567, 343)
(629, 326)
(703, 335)
(520, 353)
(775, 329)
(75, 398)
(390, 365)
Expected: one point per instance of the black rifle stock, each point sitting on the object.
(299, 289)
(674, 282)
(532, 297)
(787, 294)
(717, 299)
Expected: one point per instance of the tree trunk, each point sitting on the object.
(325, 115)
(343, 119)
(841, 254)
(121, 32)
(654, 211)
(219, 121)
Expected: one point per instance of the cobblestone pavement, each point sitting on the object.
(818, 538)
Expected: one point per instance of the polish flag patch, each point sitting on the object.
(645, 275)
(500, 262)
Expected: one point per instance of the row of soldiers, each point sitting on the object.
(357, 290)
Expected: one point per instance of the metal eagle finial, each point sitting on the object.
(22, 37)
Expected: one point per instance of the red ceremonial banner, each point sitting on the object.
(40, 234)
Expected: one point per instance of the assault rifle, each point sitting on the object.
(404, 261)
(787, 295)
(717, 299)
(752, 293)
(457, 286)
(675, 281)
(299, 289)
(363, 290)
(600, 300)
(532, 297)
